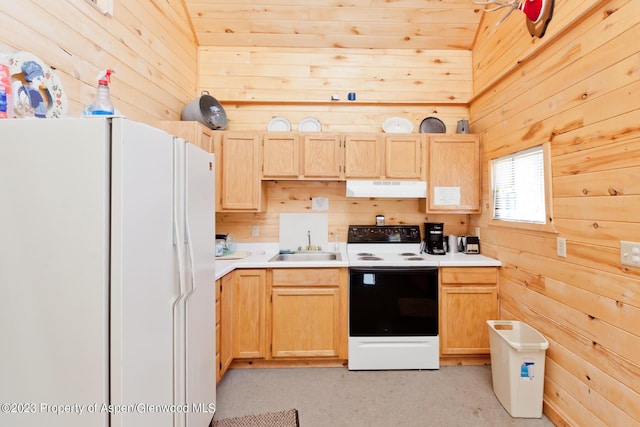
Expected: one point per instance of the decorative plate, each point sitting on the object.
(309, 124)
(279, 124)
(28, 75)
(432, 125)
(397, 125)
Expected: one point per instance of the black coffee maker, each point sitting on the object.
(434, 238)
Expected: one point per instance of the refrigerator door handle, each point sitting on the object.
(190, 286)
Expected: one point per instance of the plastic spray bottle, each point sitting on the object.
(6, 98)
(102, 104)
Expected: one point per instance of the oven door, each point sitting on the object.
(393, 301)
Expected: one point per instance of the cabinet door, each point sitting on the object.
(322, 156)
(403, 156)
(249, 307)
(280, 156)
(363, 156)
(225, 348)
(454, 174)
(465, 311)
(305, 322)
(241, 186)
(468, 298)
(218, 373)
(309, 312)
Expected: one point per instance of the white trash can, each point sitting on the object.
(517, 366)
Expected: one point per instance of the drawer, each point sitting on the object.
(465, 275)
(306, 277)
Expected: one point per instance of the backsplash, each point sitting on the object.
(302, 230)
(295, 197)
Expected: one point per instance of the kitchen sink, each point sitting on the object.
(308, 257)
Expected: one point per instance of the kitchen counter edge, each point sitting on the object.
(261, 253)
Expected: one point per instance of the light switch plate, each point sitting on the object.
(630, 253)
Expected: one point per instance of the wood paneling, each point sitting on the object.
(366, 24)
(256, 84)
(295, 197)
(149, 44)
(579, 90)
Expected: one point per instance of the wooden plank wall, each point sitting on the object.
(295, 197)
(255, 84)
(578, 87)
(149, 44)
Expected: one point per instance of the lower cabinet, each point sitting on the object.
(224, 324)
(250, 314)
(468, 298)
(307, 313)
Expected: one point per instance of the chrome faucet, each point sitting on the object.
(308, 240)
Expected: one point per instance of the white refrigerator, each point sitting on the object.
(107, 236)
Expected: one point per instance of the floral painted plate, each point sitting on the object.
(37, 92)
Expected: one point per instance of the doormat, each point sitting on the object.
(287, 418)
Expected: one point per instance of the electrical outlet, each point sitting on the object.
(561, 246)
(630, 253)
(255, 230)
(478, 232)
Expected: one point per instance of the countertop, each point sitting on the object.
(261, 253)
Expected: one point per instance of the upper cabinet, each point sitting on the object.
(363, 156)
(403, 155)
(239, 161)
(322, 156)
(449, 163)
(453, 174)
(374, 156)
(280, 156)
(300, 156)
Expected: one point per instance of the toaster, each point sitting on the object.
(472, 245)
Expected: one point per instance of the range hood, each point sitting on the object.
(390, 189)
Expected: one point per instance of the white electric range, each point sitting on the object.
(393, 299)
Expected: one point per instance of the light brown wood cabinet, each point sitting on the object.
(224, 324)
(239, 160)
(385, 157)
(468, 298)
(322, 156)
(363, 156)
(280, 156)
(308, 313)
(250, 314)
(301, 156)
(453, 174)
(403, 156)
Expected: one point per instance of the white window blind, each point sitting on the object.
(518, 186)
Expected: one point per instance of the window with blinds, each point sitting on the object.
(518, 185)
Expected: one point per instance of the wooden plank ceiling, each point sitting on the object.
(374, 24)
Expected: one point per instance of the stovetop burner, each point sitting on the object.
(395, 246)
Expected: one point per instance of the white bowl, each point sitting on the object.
(397, 125)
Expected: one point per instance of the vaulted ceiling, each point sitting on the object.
(379, 24)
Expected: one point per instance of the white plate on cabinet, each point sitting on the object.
(397, 125)
(309, 124)
(279, 124)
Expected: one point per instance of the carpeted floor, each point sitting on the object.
(453, 396)
(287, 418)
